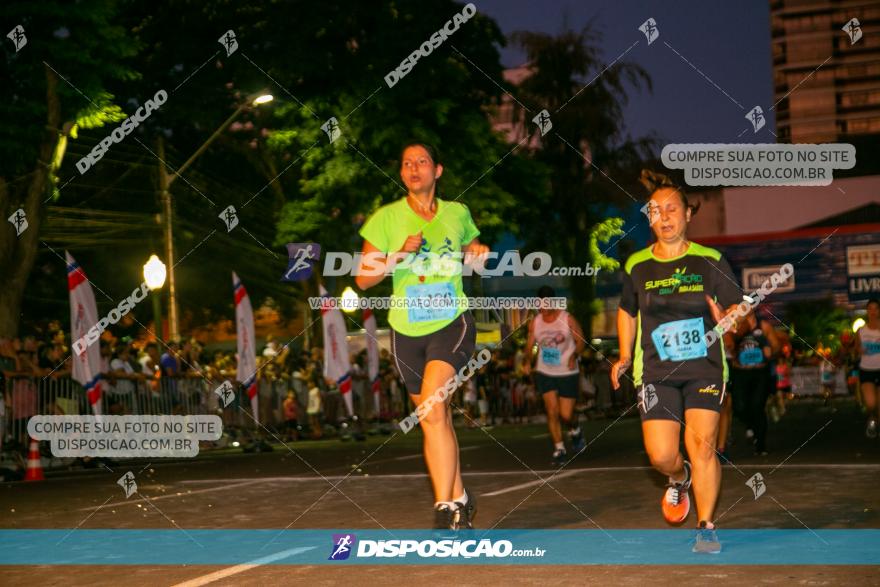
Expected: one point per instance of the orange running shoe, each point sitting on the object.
(675, 502)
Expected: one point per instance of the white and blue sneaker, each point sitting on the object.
(706, 541)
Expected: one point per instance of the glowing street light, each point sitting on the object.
(263, 99)
(154, 277)
(349, 300)
(154, 273)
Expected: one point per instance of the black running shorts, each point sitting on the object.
(870, 376)
(565, 385)
(671, 399)
(453, 344)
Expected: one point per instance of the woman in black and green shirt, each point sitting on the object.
(671, 292)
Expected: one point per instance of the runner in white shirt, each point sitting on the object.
(560, 342)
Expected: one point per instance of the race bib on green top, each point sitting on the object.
(431, 301)
(681, 340)
(551, 355)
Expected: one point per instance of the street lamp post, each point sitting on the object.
(154, 277)
(165, 181)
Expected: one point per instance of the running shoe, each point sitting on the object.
(871, 429)
(676, 503)
(578, 443)
(467, 511)
(559, 456)
(446, 517)
(706, 541)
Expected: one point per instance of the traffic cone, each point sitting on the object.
(34, 470)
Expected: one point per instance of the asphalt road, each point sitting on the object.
(821, 474)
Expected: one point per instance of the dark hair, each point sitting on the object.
(433, 153)
(683, 196)
(873, 301)
(545, 291)
(654, 182)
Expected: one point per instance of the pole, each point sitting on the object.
(165, 181)
(165, 196)
(157, 313)
(205, 145)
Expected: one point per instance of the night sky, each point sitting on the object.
(728, 41)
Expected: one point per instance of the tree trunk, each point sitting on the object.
(18, 253)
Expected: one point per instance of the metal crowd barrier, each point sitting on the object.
(24, 396)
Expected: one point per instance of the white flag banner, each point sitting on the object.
(246, 373)
(373, 360)
(84, 315)
(336, 363)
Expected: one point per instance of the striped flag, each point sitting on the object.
(336, 364)
(373, 360)
(84, 315)
(246, 373)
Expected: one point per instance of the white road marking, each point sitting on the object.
(532, 483)
(233, 483)
(420, 455)
(237, 483)
(228, 572)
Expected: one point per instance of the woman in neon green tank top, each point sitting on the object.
(420, 239)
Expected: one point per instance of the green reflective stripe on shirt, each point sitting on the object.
(639, 362)
(702, 251)
(724, 367)
(451, 228)
(638, 257)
